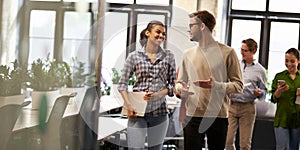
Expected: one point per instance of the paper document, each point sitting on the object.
(137, 101)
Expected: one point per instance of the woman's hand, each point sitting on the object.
(131, 111)
(281, 88)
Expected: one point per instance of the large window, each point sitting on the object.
(59, 29)
(274, 24)
(123, 24)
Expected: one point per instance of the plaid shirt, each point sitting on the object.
(150, 76)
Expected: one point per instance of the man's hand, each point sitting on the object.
(204, 83)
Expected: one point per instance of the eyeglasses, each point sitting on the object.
(191, 25)
(243, 50)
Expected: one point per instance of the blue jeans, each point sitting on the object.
(287, 138)
(154, 128)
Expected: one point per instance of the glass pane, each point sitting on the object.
(76, 48)
(285, 6)
(42, 23)
(115, 37)
(153, 2)
(120, 1)
(256, 5)
(282, 37)
(243, 29)
(79, 0)
(46, 0)
(77, 25)
(143, 20)
(40, 48)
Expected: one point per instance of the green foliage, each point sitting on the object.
(12, 79)
(78, 76)
(115, 76)
(47, 75)
(132, 80)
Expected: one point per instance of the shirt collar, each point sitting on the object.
(253, 63)
(159, 54)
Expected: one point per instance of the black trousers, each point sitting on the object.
(215, 129)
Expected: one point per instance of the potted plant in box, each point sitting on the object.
(115, 80)
(46, 77)
(12, 80)
(77, 79)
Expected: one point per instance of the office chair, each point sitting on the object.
(8, 116)
(51, 137)
(80, 131)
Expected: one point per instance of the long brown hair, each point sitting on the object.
(151, 24)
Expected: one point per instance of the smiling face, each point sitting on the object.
(247, 55)
(291, 62)
(156, 35)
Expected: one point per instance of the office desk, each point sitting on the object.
(110, 102)
(109, 126)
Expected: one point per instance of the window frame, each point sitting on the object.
(266, 17)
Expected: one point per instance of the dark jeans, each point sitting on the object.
(215, 133)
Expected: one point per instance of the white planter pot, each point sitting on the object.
(78, 98)
(265, 109)
(36, 97)
(15, 99)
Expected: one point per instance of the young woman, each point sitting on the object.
(284, 93)
(154, 69)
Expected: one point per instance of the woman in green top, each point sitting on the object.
(287, 117)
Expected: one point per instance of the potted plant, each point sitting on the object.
(115, 80)
(12, 80)
(46, 77)
(77, 80)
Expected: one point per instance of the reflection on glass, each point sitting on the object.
(47, 0)
(120, 1)
(143, 20)
(80, 0)
(283, 36)
(115, 38)
(153, 2)
(76, 48)
(77, 29)
(285, 6)
(256, 5)
(77, 25)
(42, 26)
(42, 23)
(39, 48)
(243, 29)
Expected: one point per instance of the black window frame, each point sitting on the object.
(266, 17)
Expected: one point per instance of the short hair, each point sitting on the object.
(206, 17)
(252, 45)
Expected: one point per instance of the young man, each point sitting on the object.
(208, 73)
(242, 112)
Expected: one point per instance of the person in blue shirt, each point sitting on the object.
(284, 94)
(155, 71)
(242, 111)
